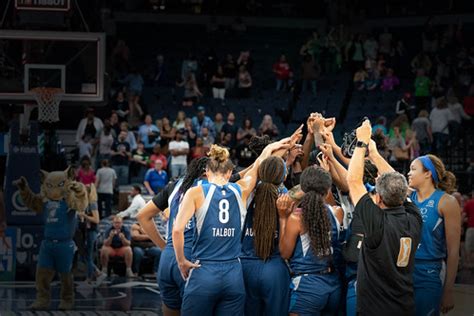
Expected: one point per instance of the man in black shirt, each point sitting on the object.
(120, 158)
(230, 128)
(392, 229)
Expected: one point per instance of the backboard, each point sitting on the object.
(72, 61)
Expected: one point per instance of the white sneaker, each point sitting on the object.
(129, 273)
(100, 278)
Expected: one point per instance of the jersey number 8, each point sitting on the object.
(223, 211)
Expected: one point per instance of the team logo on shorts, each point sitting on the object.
(404, 253)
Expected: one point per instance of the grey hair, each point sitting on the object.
(392, 188)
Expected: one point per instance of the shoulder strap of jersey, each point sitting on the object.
(202, 211)
(175, 191)
(235, 188)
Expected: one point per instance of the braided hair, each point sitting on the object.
(194, 171)
(316, 182)
(271, 173)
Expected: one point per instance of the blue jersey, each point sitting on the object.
(433, 239)
(248, 246)
(174, 202)
(219, 223)
(60, 222)
(305, 261)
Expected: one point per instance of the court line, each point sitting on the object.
(152, 290)
(110, 298)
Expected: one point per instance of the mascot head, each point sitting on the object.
(54, 184)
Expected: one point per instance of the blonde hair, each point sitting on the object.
(219, 161)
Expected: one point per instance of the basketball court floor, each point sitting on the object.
(120, 296)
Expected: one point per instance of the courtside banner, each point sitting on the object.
(43, 5)
(8, 246)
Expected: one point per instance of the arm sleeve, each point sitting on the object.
(372, 218)
(161, 199)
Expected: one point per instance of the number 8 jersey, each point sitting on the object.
(219, 223)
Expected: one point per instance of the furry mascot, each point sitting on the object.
(59, 200)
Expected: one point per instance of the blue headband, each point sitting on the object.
(370, 188)
(428, 164)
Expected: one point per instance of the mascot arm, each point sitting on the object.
(77, 197)
(33, 201)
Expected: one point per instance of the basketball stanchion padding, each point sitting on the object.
(48, 100)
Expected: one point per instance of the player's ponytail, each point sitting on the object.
(316, 182)
(271, 174)
(194, 171)
(446, 179)
(219, 161)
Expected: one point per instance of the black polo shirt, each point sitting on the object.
(384, 274)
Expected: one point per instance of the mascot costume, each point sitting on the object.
(59, 200)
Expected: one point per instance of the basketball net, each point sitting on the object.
(48, 100)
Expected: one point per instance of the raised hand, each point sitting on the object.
(326, 149)
(284, 205)
(364, 132)
(329, 124)
(297, 135)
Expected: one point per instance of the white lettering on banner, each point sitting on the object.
(223, 232)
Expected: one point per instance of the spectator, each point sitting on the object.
(149, 134)
(421, 61)
(218, 123)
(392, 231)
(244, 155)
(400, 150)
(90, 125)
(114, 123)
(422, 128)
(440, 117)
(188, 134)
(120, 159)
(457, 116)
(139, 162)
(201, 120)
(209, 66)
(200, 150)
(355, 52)
(230, 128)
(245, 60)
(373, 80)
(380, 125)
(155, 178)
(422, 90)
(179, 150)
(178, 124)
(206, 139)
(267, 127)
(86, 149)
(131, 139)
(189, 65)
(159, 75)
(404, 106)
(120, 106)
(218, 84)
(371, 47)
(167, 133)
(245, 83)
(246, 130)
(389, 81)
(134, 83)
(469, 243)
(230, 72)
(106, 141)
(105, 183)
(117, 244)
(310, 71)
(360, 79)
(137, 203)
(85, 174)
(191, 89)
(157, 154)
(385, 42)
(142, 245)
(402, 123)
(283, 73)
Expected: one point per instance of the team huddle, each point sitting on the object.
(353, 236)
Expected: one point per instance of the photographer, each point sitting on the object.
(117, 244)
(392, 229)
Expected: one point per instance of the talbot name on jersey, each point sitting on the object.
(223, 232)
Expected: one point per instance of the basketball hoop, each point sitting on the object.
(48, 100)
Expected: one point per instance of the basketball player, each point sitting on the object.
(440, 237)
(214, 282)
(169, 277)
(266, 275)
(309, 235)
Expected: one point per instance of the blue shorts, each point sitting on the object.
(267, 287)
(315, 294)
(428, 286)
(216, 288)
(57, 256)
(170, 281)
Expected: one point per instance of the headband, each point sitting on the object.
(428, 164)
(370, 188)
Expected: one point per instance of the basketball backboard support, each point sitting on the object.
(72, 61)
